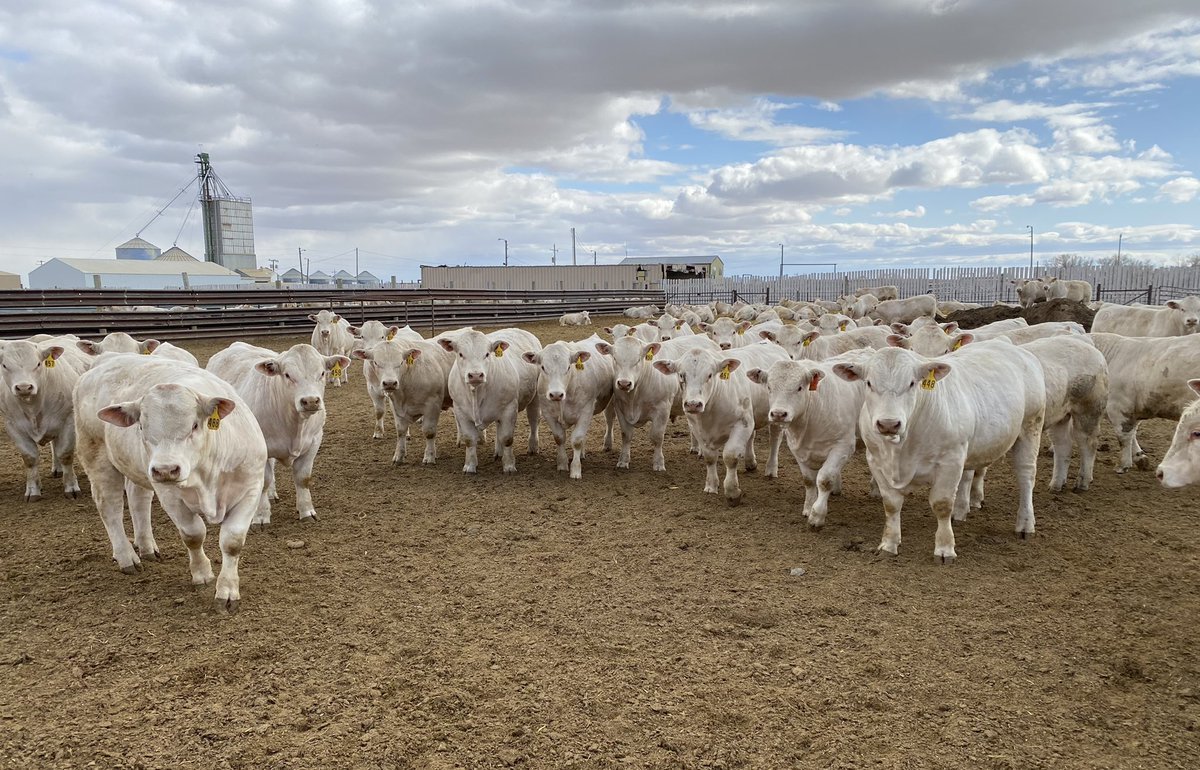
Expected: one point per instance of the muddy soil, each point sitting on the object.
(1041, 312)
(436, 620)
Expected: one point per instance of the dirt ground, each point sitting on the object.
(435, 620)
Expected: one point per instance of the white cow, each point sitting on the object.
(575, 382)
(366, 336)
(1147, 377)
(116, 342)
(819, 415)
(412, 376)
(815, 346)
(937, 421)
(36, 380)
(582, 318)
(1030, 290)
(173, 352)
(1181, 465)
(332, 337)
(372, 332)
(1173, 319)
(196, 446)
(880, 292)
(641, 394)
(1077, 291)
(286, 393)
(905, 310)
(488, 383)
(642, 312)
(724, 409)
(728, 333)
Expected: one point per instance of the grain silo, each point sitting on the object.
(136, 248)
(228, 221)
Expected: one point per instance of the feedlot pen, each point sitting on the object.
(436, 620)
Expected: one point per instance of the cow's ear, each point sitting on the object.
(89, 347)
(356, 331)
(217, 405)
(1174, 305)
(270, 367)
(769, 335)
(1195, 386)
(312, 317)
(447, 344)
(149, 346)
(897, 341)
(332, 361)
(666, 367)
(531, 357)
(603, 348)
(848, 372)
(121, 415)
(361, 355)
(757, 375)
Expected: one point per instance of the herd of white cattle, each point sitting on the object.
(931, 404)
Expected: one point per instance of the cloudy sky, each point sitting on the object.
(863, 132)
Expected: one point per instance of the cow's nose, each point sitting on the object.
(624, 384)
(390, 384)
(555, 395)
(725, 346)
(310, 403)
(695, 407)
(1158, 474)
(165, 472)
(778, 415)
(324, 332)
(23, 388)
(888, 427)
(475, 377)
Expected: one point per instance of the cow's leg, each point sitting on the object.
(626, 440)
(808, 477)
(610, 414)
(232, 539)
(831, 471)
(893, 503)
(977, 488)
(962, 497)
(192, 530)
(29, 458)
(948, 480)
(749, 454)
(1126, 428)
(559, 434)
(1023, 457)
(658, 432)
(1086, 428)
(401, 421)
(272, 493)
(775, 432)
(469, 434)
(302, 473)
(1060, 440)
(62, 451)
(532, 413)
(139, 512)
(712, 480)
(379, 401)
(429, 421)
(578, 440)
(108, 492)
(506, 426)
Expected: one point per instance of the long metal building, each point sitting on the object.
(538, 277)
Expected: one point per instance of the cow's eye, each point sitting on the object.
(195, 427)
(1195, 434)
(914, 382)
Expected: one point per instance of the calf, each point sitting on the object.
(1076, 291)
(489, 383)
(643, 395)
(724, 409)
(286, 393)
(815, 346)
(905, 310)
(36, 381)
(412, 377)
(1147, 377)
(332, 337)
(819, 415)
(880, 292)
(116, 342)
(1030, 290)
(727, 333)
(575, 383)
(642, 312)
(1181, 465)
(197, 447)
(1174, 319)
(934, 421)
(173, 352)
(372, 332)
(581, 318)
(368, 335)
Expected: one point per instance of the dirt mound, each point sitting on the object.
(1061, 310)
(972, 319)
(1054, 310)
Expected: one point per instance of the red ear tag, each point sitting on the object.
(813, 383)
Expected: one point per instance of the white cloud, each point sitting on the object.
(756, 123)
(1180, 190)
(829, 107)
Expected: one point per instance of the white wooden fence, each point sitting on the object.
(966, 284)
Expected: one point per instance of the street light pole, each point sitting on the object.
(1119, 237)
(781, 261)
(505, 250)
(1030, 228)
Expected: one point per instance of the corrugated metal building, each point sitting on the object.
(9, 280)
(679, 267)
(537, 277)
(131, 274)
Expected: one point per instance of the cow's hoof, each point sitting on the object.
(310, 518)
(56, 474)
(32, 498)
(132, 569)
(943, 559)
(227, 606)
(733, 502)
(152, 556)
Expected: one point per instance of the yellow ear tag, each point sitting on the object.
(579, 363)
(391, 335)
(336, 371)
(147, 352)
(678, 326)
(649, 355)
(842, 326)
(409, 359)
(50, 362)
(929, 382)
(214, 420)
(957, 345)
(725, 372)
(741, 330)
(807, 341)
(499, 352)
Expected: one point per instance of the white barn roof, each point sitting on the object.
(145, 267)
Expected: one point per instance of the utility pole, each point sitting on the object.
(308, 273)
(554, 254)
(356, 263)
(1119, 237)
(273, 264)
(781, 261)
(300, 257)
(505, 250)
(593, 256)
(1030, 250)
(573, 260)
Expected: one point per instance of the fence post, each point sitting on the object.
(1099, 286)
(734, 297)
(767, 300)
(432, 328)
(1150, 294)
